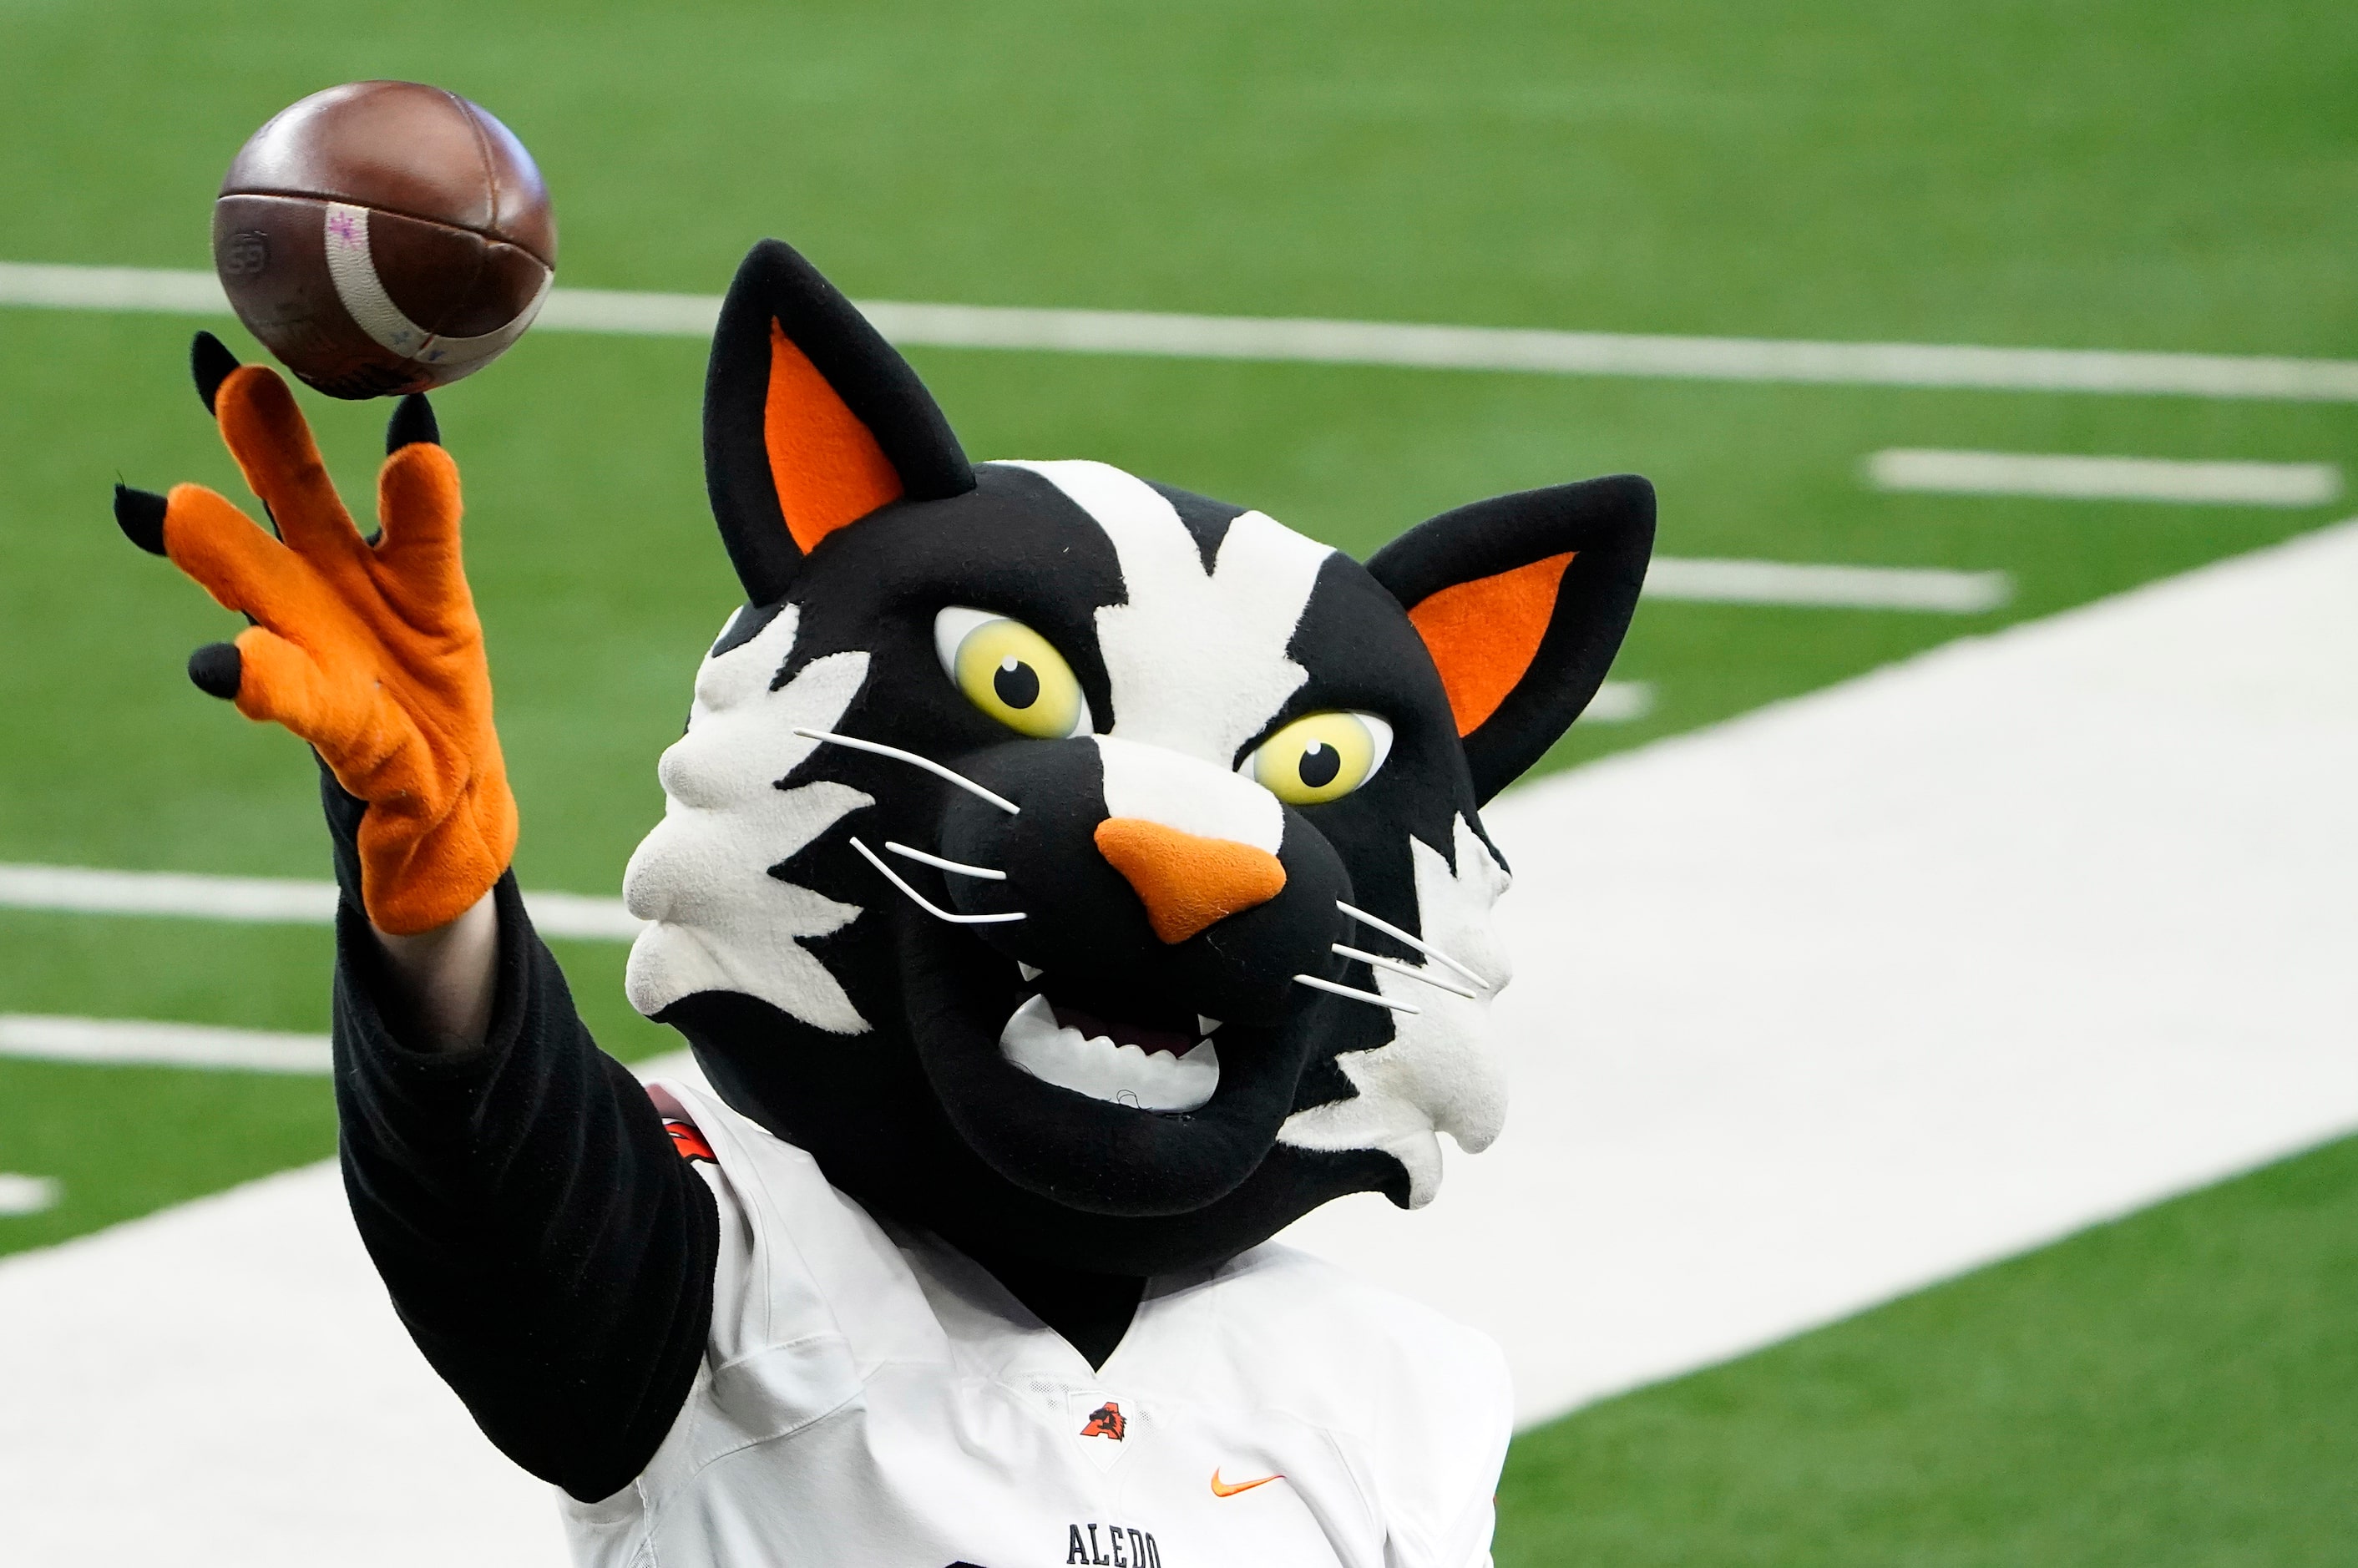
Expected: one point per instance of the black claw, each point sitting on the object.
(411, 421)
(216, 669)
(140, 514)
(210, 361)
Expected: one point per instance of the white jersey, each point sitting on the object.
(872, 1397)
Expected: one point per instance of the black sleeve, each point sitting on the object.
(546, 1247)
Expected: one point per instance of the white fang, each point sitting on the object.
(1094, 1065)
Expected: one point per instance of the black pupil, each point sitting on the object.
(1320, 762)
(1017, 683)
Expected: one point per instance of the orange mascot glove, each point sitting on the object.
(370, 651)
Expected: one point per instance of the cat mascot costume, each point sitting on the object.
(1066, 881)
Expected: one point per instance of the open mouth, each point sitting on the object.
(1096, 1086)
(1142, 1066)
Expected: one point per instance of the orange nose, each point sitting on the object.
(1186, 880)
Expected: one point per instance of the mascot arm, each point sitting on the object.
(543, 1241)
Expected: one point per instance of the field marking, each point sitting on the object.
(268, 901)
(154, 291)
(135, 1042)
(1619, 702)
(1702, 580)
(582, 917)
(2072, 477)
(22, 1194)
(1318, 341)
(87, 890)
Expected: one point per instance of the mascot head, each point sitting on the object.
(1084, 870)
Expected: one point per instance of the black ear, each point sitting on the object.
(1522, 601)
(811, 421)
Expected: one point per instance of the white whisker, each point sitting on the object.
(946, 775)
(958, 866)
(1427, 948)
(922, 902)
(1410, 970)
(1370, 998)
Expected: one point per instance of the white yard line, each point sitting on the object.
(582, 917)
(1796, 584)
(123, 1041)
(1313, 339)
(1815, 1007)
(25, 1194)
(152, 289)
(268, 901)
(1619, 702)
(2104, 479)
(87, 890)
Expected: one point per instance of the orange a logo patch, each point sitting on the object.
(1106, 1422)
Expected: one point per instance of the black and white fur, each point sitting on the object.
(852, 1022)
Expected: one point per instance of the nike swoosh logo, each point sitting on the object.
(1223, 1489)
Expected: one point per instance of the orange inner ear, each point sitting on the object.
(828, 467)
(1484, 634)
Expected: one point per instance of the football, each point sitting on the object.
(384, 237)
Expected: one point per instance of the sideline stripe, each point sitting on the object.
(1530, 350)
(266, 901)
(25, 1194)
(126, 1041)
(2104, 479)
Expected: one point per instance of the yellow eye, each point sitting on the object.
(1011, 673)
(1319, 757)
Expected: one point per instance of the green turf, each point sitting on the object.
(2141, 173)
(2173, 1390)
(2162, 174)
(121, 1142)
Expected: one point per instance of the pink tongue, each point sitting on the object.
(1168, 1040)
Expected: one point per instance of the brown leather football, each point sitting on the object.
(384, 237)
